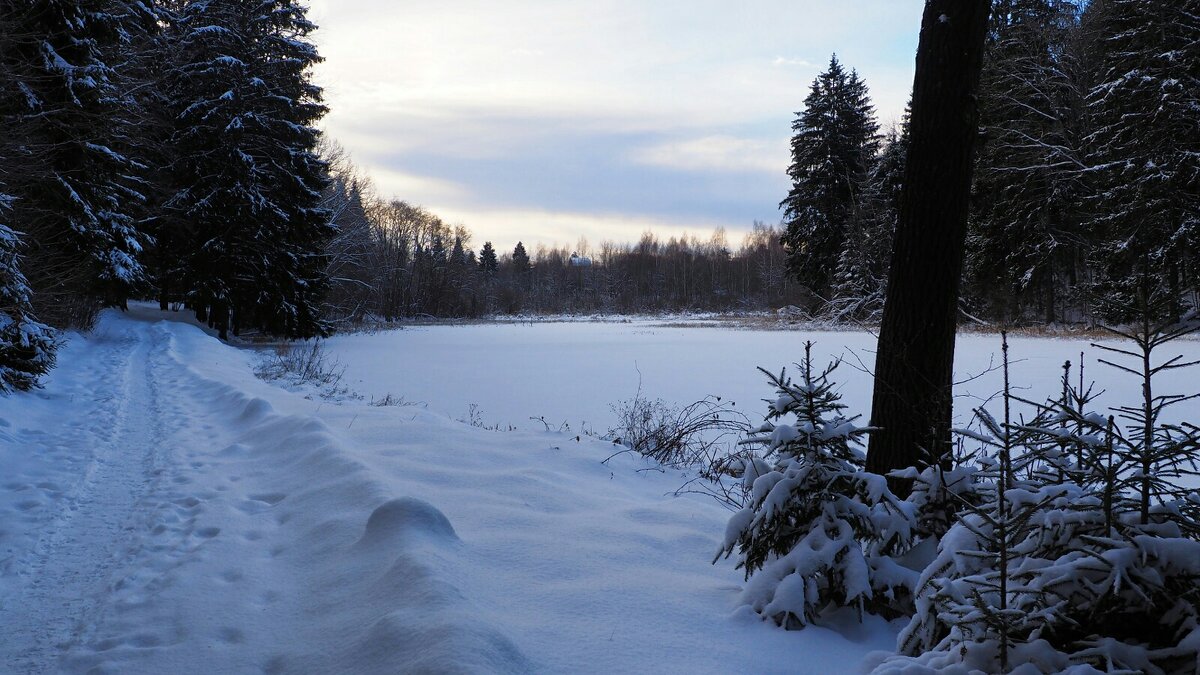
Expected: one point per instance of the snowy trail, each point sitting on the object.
(95, 533)
(160, 515)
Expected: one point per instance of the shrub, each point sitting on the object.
(674, 436)
(303, 362)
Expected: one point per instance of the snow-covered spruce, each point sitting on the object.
(247, 180)
(818, 529)
(1060, 568)
(27, 347)
(77, 189)
(1027, 165)
(1142, 148)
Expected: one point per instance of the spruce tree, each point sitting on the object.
(352, 269)
(1082, 552)
(27, 347)
(66, 162)
(520, 259)
(834, 142)
(1023, 234)
(1144, 147)
(249, 179)
(817, 531)
(860, 278)
(487, 259)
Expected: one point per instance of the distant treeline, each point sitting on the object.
(393, 260)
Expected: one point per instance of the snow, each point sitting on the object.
(573, 372)
(162, 509)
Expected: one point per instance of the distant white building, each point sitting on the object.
(579, 261)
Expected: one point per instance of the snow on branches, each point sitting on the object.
(818, 529)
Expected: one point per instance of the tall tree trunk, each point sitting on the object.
(914, 363)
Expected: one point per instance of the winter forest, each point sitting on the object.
(256, 415)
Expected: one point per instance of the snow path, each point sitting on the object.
(164, 511)
(94, 533)
(201, 530)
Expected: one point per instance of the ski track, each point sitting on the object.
(128, 523)
(95, 534)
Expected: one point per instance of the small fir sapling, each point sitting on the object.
(1062, 568)
(967, 599)
(940, 491)
(818, 529)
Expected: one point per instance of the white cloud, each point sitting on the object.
(537, 80)
(717, 153)
(785, 62)
(505, 227)
(411, 186)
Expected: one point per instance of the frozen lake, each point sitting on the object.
(573, 372)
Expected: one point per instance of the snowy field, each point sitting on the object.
(162, 510)
(573, 372)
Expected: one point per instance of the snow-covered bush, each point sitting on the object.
(1064, 565)
(818, 527)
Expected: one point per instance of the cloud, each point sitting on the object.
(660, 114)
(783, 62)
(717, 153)
(505, 227)
(391, 182)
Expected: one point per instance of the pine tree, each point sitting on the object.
(834, 141)
(249, 180)
(1144, 146)
(914, 363)
(75, 188)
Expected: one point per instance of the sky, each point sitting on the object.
(548, 121)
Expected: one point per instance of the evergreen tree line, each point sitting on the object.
(156, 149)
(392, 260)
(1087, 175)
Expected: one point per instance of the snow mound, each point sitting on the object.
(444, 642)
(255, 410)
(400, 517)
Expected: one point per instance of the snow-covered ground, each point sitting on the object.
(573, 372)
(165, 511)
(162, 510)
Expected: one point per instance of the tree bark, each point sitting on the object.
(915, 361)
